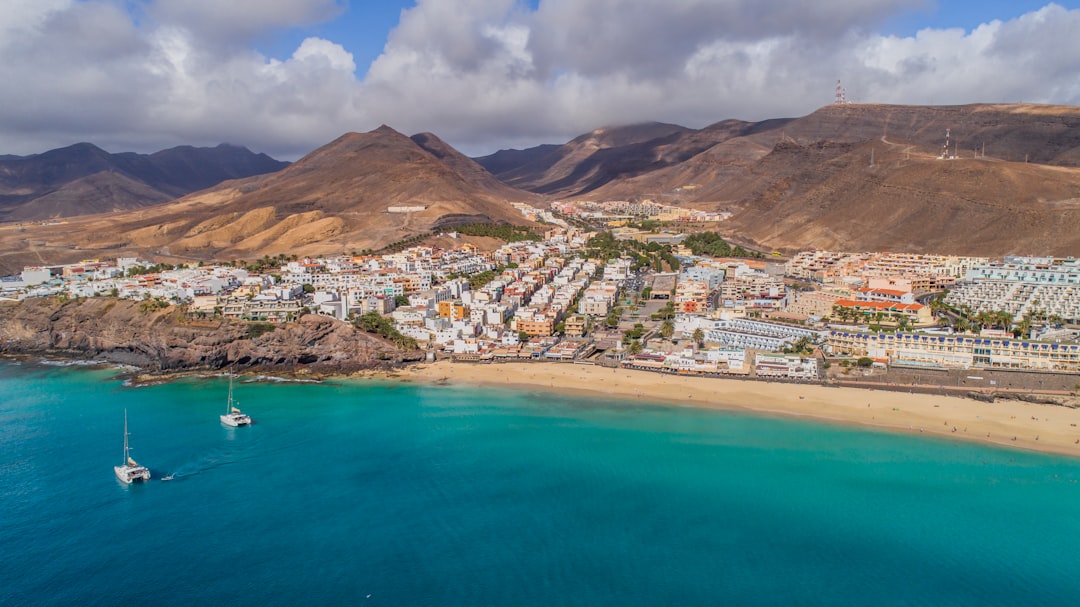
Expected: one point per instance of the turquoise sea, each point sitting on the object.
(369, 493)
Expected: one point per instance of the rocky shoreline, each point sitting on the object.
(170, 341)
(165, 343)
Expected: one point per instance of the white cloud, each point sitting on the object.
(490, 73)
(232, 21)
(27, 15)
(653, 39)
(331, 54)
(585, 64)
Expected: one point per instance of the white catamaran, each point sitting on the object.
(130, 471)
(233, 417)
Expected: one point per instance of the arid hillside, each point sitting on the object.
(832, 197)
(846, 176)
(343, 197)
(605, 156)
(84, 179)
(856, 177)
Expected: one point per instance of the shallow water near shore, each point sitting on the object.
(376, 493)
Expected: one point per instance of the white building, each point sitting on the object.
(785, 366)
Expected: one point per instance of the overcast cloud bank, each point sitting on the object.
(487, 74)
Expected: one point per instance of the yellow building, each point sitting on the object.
(539, 327)
(886, 313)
(575, 326)
(811, 303)
(453, 309)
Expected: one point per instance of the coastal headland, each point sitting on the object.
(1011, 423)
(162, 344)
(167, 341)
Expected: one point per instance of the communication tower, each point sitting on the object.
(945, 148)
(841, 94)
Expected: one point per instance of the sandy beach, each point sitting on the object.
(1046, 428)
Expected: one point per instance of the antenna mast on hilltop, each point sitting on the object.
(841, 94)
(945, 148)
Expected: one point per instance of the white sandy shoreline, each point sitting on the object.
(1010, 423)
(1045, 428)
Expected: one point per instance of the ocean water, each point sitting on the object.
(370, 493)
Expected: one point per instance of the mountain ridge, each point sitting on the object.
(83, 178)
(359, 191)
(804, 173)
(854, 177)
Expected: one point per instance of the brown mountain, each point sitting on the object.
(830, 196)
(815, 185)
(808, 182)
(83, 179)
(336, 199)
(1044, 134)
(846, 176)
(586, 162)
(582, 167)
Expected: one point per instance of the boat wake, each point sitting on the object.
(213, 459)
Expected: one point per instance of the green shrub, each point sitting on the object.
(256, 329)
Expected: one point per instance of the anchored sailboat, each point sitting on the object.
(233, 416)
(130, 470)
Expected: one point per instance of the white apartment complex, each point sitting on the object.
(957, 351)
(1022, 286)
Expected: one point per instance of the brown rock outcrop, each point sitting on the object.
(170, 340)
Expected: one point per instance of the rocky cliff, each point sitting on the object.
(171, 340)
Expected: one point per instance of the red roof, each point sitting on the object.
(881, 305)
(884, 291)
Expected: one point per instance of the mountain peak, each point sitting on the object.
(82, 149)
(386, 130)
(83, 178)
(628, 134)
(84, 146)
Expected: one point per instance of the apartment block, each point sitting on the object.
(884, 313)
(957, 351)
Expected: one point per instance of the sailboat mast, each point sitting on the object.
(125, 438)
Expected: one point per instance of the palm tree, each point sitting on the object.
(901, 321)
(847, 314)
(1005, 319)
(667, 329)
(963, 325)
(839, 313)
(1025, 326)
(801, 345)
(699, 337)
